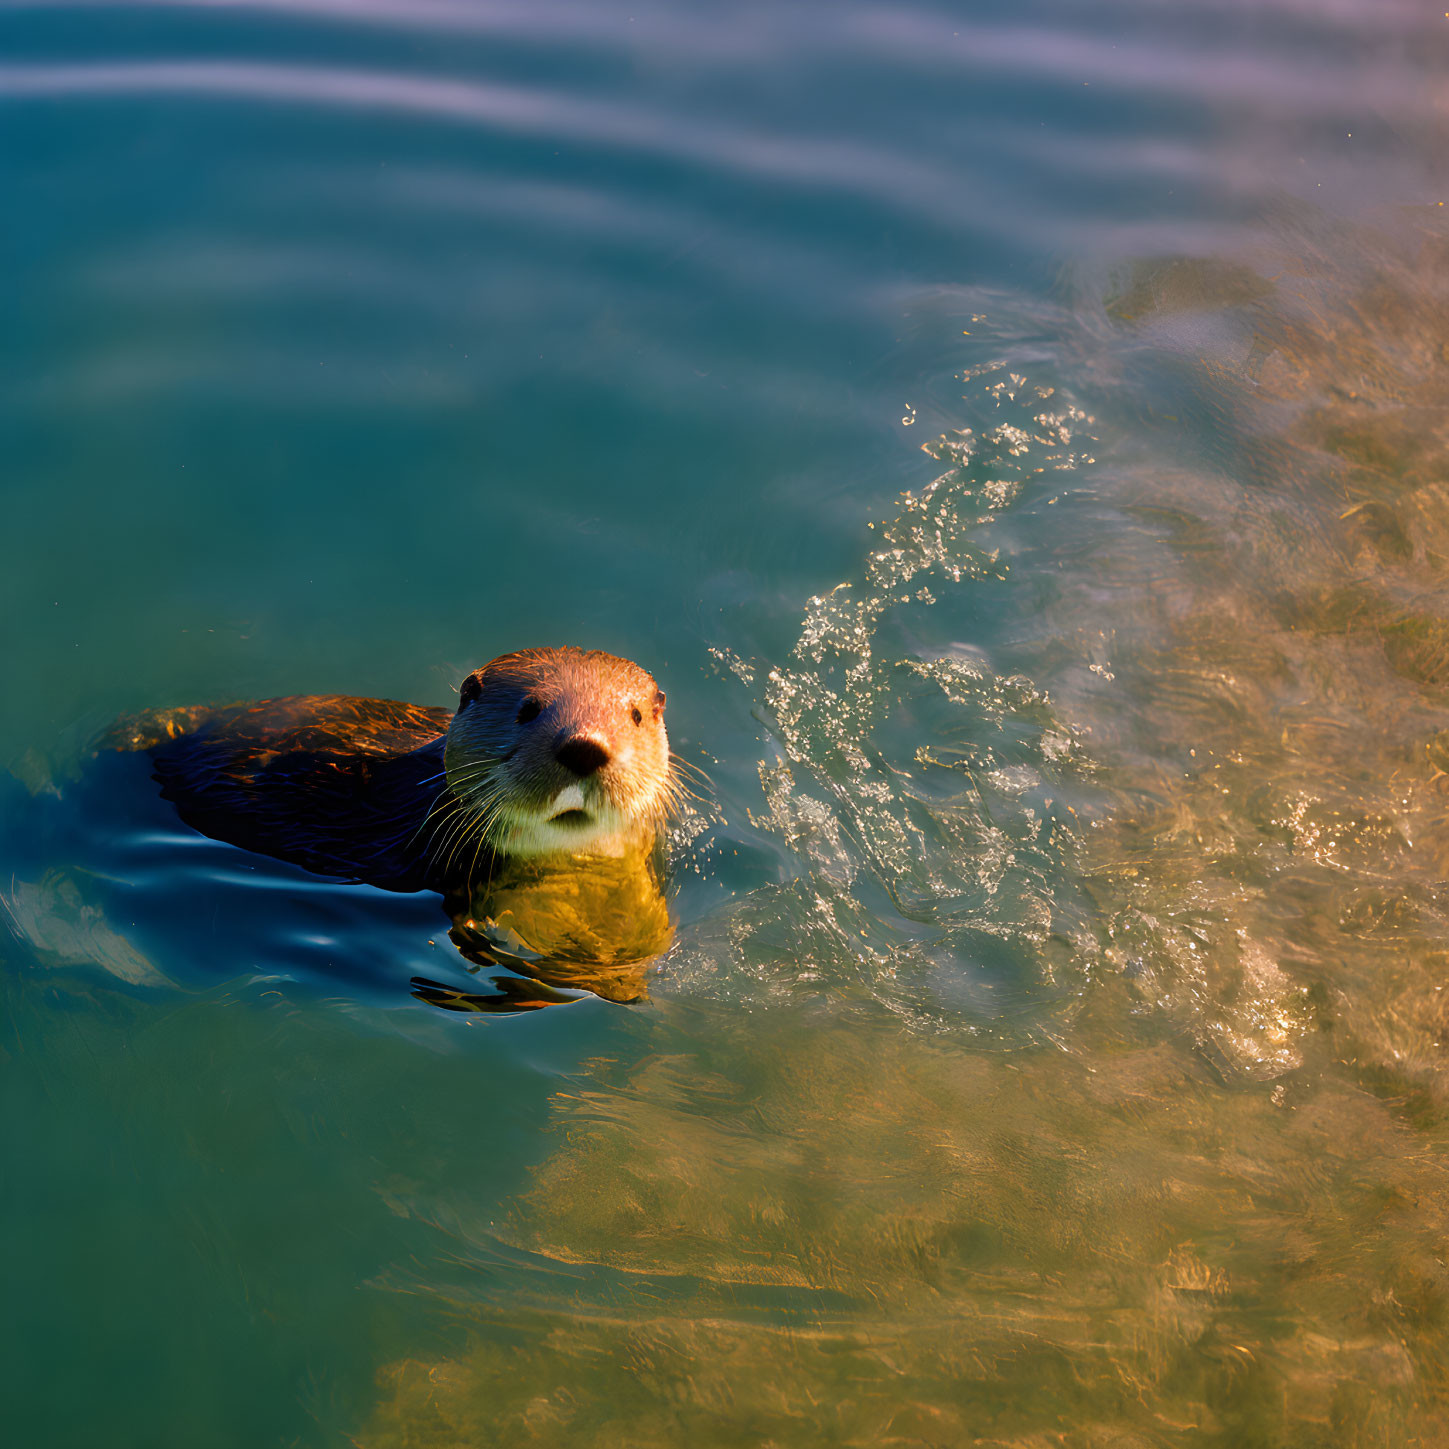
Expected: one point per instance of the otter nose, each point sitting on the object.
(582, 755)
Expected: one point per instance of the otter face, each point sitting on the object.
(560, 751)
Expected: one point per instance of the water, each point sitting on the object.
(1051, 1048)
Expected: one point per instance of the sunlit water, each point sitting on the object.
(1016, 440)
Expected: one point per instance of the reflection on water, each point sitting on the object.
(838, 1233)
(1274, 870)
(596, 925)
(1202, 1199)
(1049, 1050)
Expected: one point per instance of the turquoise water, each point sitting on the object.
(1014, 439)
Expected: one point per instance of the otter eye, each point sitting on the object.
(529, 710)
(638, 718)
(472, 688)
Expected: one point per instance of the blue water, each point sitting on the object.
(1049, 1053)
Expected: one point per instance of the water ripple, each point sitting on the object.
(798, 160)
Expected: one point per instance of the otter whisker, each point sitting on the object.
(678, 763)
(453, 843)
(676, 792)
(456, 825)
(478, 818)
(446, 826)
(457, 832)
(483, 840)
(466, 785)
(441, 801)
(477, 770)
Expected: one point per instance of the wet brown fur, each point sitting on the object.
(358, 789)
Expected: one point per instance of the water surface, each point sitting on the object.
(1015, 441)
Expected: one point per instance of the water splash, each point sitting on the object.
(925, 795)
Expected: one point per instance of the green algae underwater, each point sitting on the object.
(1192, 1187)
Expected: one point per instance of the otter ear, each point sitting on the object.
(472, 688)
(658, 703)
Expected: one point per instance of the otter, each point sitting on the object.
(536, 808)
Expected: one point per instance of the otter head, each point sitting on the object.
(560, 751)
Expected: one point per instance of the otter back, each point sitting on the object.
(338, 785)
